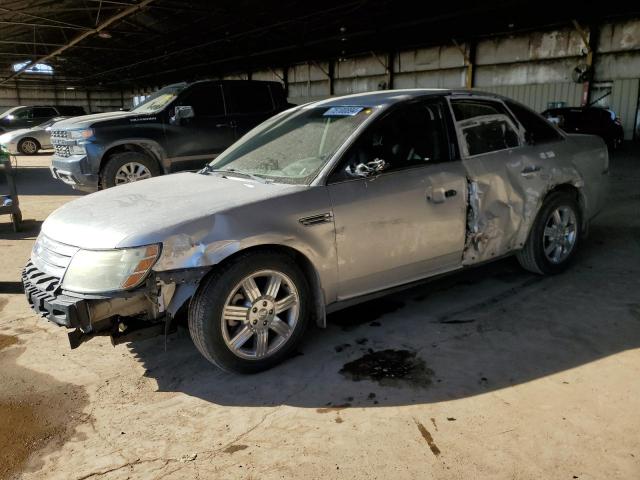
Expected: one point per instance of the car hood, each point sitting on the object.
(149, 211)
(85, 121)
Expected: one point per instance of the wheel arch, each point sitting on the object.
(308, 269)
(149, 148)
(572, 190)
(24, 139)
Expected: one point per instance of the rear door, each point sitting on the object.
(409, 221)
(249, 103)
(192, 142)
(508, 154)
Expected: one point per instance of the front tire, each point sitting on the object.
(250, 314)
(554, 237)
(28, 146)
(128, 167)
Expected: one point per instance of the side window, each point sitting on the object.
(249, 97)
(42, 112)
(485, 126)
(206, 100)
(412, 136)
(23, 114)
(537, 130)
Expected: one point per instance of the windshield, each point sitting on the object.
(160, 99)
(294, 146)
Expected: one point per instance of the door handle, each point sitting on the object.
(439, 195)
(530, 169)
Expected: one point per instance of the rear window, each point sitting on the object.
(249, 97)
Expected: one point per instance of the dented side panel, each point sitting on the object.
(507, 188)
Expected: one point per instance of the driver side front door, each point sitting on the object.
(408, 221)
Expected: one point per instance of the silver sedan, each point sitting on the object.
(29, 141)
(323, 206)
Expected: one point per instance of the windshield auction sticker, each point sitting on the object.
(343, 111)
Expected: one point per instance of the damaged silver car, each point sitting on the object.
(320, 207)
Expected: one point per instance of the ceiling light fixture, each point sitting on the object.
(104, 34)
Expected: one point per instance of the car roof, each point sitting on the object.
(388, 97)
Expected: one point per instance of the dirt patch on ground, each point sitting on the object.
(36, 411)
(390, 367)
(7, 341)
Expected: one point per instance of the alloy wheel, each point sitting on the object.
(260, 314)
(131, 172)
(560, 234)
(29, 147)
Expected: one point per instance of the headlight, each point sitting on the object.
(94, 271)
(81, 134)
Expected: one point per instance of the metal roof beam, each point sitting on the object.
(110, 21)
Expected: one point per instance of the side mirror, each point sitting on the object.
(182, 112)
(367, 169)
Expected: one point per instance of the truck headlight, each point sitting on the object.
(95, 271)
(81, 134)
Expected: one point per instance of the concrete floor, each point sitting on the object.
(515, 376)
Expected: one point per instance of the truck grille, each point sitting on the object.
(51, 257)
(59, 134)
(62, 150)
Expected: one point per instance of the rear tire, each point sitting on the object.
(554, 236)
(226, 323)
(28, 146)
(128, 167)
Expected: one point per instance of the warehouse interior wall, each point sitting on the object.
(535, 68)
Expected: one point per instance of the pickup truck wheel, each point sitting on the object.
(128, 167)
(28, 146)
(554, 236)
(250, 314)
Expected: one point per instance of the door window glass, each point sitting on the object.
(40, 112)
(249, 97)
(485, 126)
(411, 136)
(205, 99)
(23, 114)
(537, 130)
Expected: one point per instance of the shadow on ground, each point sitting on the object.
(37, 180)
(465, 335)
(476, 331)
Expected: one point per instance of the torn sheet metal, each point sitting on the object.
(506, 190)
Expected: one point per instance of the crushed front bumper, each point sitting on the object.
(40, 290)
(86, 317)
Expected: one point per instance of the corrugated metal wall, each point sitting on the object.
(624, 101)
(538, 96)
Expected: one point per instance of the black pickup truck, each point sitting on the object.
(180, 127)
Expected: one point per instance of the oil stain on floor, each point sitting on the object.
(390, 368)
(36, 411)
